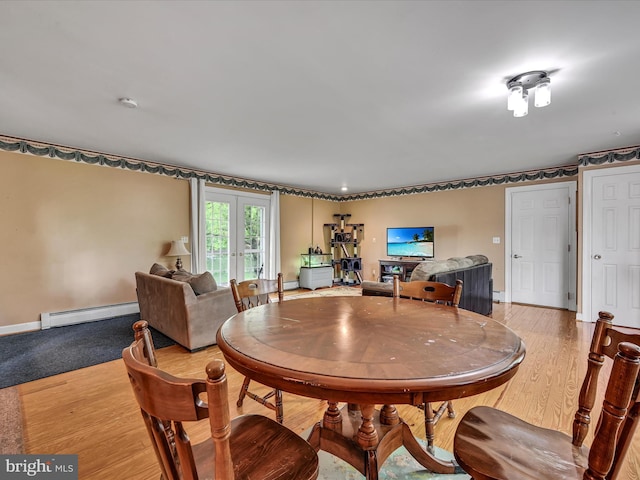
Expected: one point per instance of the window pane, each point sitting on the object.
(217, 240)
(254, 241)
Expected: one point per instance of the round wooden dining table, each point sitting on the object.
(367, 351)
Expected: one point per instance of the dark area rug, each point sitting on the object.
(29, 356)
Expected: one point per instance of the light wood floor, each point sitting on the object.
(91, 412)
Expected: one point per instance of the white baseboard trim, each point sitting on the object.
(19, 328)
(291, 285)
(83, 315)
(580, 318)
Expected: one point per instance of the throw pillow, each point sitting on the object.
(201, 284)
(182, 275)
(160, 270)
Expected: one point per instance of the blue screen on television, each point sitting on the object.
(410, 242)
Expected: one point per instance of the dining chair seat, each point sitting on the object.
(490, 444)
(509, 448)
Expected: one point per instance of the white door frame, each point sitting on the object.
(572, 187)
(587, 219)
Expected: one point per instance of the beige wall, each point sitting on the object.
(465, 223)
(301, 226)
(73, 234)
(465, 220)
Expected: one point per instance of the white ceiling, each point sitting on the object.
(322, 94)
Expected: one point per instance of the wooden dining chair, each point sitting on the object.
(435, 292)
(247, 447)
(490, 444)
(248, 294)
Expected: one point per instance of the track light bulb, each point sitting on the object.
(522, 107)
(543, 92)
(515, 96)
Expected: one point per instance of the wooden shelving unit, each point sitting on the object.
(345, 247)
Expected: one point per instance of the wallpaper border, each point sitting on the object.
(609, 156)
(20, 145)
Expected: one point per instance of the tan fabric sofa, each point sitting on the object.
(171, 307)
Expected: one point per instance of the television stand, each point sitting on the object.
(398, 266)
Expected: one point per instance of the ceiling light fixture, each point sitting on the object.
(519, 86)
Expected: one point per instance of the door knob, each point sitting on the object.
(597, 257)
(516, 256)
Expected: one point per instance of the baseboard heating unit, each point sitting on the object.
(83, 315)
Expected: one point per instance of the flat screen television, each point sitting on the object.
(410, 242)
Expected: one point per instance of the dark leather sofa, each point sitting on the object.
(477, 287)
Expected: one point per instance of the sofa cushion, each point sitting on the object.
(181, 275)
(201, 284)
(424, 270)
(160, 270)
(462, 262)
(478, 259)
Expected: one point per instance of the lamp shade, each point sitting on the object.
(177, 249)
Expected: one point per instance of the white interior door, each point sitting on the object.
(540, 248)
(236, 239)
(613, 255)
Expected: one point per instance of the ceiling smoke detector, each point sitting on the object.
(128, 102)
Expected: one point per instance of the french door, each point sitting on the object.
(237, 234)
